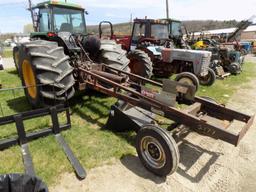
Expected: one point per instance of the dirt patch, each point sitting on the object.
(206, 164)
(251, 58)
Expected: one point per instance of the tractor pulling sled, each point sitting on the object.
(60, 57)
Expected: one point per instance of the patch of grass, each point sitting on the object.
(222, 90)
(7, 53)
(91, 143)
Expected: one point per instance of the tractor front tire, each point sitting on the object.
(234, 68)
(188, 78)
(140, 63)
(209, 79)
(45, 72)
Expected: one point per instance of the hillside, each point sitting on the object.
(194, 25)
(198, 25)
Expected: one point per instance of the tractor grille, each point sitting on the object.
(206, 61)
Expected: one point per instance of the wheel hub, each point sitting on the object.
(187, 81)
(29, 79)
(153, 152)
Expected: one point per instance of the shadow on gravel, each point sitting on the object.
(195, 161)
(133, 163)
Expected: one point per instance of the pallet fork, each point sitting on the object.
(24, 138)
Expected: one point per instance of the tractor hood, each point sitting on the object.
(201, 59)
(184, 53)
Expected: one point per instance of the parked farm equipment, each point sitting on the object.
(228, 56)
(155, 146)
(153, 43)
(66, 57)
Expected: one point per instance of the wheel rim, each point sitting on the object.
(153, 152)
(29, 79)
(186, 80)
(205, 79)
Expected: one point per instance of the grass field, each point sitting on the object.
(92, 144)
(7, 53)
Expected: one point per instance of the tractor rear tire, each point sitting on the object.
(16, 59)
(188, 78)
(209, 79)
(113, 55)
(157, 150)
(140, 63)
(46, 72)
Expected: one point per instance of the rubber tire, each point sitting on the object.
(244, 52)
(16, 50)
(169, 145)
(56, 82)
(146, 65)
(211, 78)
(113, 55)
(190, 76)
(234, 68)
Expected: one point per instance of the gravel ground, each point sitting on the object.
(206, 164)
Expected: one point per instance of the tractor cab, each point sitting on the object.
(60, 22)
(175, 28)
(148, 30)
(53, 17)
(157, 31)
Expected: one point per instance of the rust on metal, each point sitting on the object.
(200, 114)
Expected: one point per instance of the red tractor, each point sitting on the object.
(152, 49)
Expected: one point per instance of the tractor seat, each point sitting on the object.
(66, 27)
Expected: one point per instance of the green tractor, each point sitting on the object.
(49, 64)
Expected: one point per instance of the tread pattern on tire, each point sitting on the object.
(15, 50)
(145, 61)
(113, 55)
(53, 70)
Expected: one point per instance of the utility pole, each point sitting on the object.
(167, 9)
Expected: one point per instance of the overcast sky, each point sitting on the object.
(13, 13)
